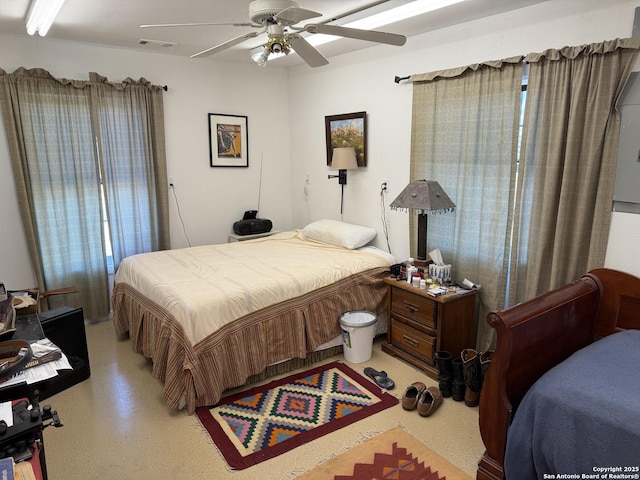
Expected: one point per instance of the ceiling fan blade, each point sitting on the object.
(161, 25)
(293, 15)
(225, 45)
(306, 51)
(368, 35)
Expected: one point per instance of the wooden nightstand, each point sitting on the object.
(419, 325)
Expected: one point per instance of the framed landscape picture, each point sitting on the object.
(228, 145)
(347, 130)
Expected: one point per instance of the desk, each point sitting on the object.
(64, 326)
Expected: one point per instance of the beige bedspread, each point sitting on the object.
(211, 316)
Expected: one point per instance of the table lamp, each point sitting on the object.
(424, 197)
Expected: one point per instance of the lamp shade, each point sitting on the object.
(344, 158)
(424, 196)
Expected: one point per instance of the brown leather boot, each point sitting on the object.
(472, 372)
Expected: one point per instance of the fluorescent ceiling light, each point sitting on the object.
(41, 15)
(408, 10)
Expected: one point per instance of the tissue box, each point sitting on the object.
(440, 273)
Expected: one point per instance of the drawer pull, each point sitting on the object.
(413, 308)
(410, 341)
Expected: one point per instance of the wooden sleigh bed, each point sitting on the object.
(545, 337)
(215, 317)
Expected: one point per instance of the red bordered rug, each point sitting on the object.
(263, 422)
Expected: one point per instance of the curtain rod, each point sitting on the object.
(399, 79)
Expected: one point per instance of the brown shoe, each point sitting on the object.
(412, 394)
(429, 401)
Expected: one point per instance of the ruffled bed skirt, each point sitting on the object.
(261, 344)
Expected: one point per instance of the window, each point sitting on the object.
(90, 192)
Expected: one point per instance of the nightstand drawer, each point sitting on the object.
(414, 307)
(413, 341)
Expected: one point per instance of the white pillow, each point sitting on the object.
(340, 234)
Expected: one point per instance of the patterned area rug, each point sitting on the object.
(391, 455)
(266, 421)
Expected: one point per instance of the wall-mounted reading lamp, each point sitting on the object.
(343, 159)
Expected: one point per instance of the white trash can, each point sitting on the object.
(358, 330)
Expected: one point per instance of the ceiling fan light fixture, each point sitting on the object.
(278, 45)
(275, 47)
(262, 57)
(41, 15)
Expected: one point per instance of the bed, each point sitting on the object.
(215, 317)
(560, 396)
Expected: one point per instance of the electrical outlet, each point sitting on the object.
(385, 185)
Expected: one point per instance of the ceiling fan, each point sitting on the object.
(278, 19)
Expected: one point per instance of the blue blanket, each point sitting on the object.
(580, 416)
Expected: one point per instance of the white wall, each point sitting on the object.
(286, 113)
(364, 81)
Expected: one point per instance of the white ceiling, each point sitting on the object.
(117, 23)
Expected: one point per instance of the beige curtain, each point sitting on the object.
(56, 172)
(568, 163)
(52, 134)
(130, 120)
(464, 135)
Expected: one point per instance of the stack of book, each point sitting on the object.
(17, 471)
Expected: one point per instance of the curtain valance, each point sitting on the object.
(585, 50)
(458, 71)
(141, 82)
(572, 53)
(42, 74)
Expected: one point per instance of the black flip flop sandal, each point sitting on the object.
(381, 378)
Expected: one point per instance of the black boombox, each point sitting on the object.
(250, 225)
